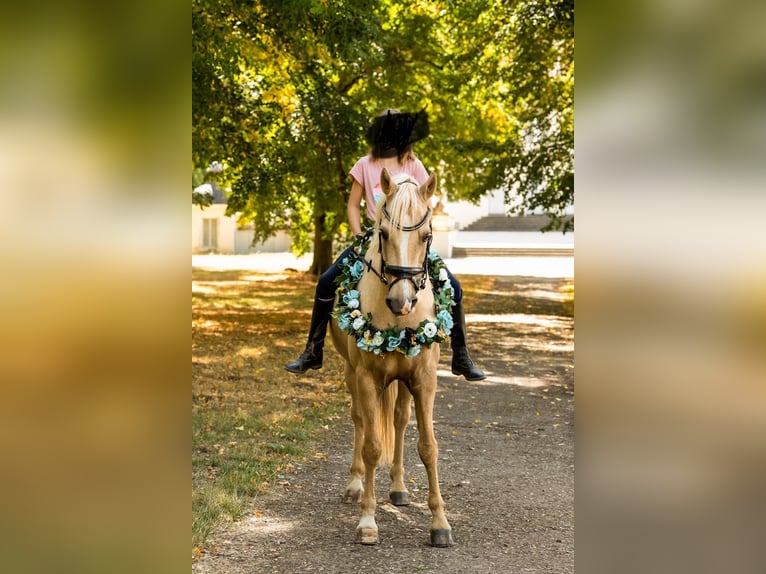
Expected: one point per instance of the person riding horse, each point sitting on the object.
(390, 136)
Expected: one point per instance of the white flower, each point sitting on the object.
(429, 330)
(443, 274)
(377, 339)
(353, 304)
(358, 323)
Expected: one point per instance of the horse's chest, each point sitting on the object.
(395, 366)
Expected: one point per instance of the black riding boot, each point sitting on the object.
(461, 360)
(311, 357)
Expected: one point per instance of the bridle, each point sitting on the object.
(401, 273)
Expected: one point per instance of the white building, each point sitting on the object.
(215, 232)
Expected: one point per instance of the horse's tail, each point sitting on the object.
(387, 431)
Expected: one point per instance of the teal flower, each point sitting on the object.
(394, 341)
(356, 270)
(393, 344)
(444, 319)
(413, 351)
(351, 299)
(350, 295)
(344, 321)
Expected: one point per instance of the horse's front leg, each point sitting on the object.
(355, 488)
(369, 402)
(398, 493)
(424, 391)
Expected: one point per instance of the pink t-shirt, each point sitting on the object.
(367, 172)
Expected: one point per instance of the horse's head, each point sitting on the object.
(404, 235)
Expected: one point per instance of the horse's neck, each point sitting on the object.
(372, 290)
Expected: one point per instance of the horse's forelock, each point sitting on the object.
(404, 202)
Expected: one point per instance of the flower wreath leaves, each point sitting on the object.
(407, 341)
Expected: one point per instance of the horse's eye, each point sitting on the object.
(427, 238)
(384, 234)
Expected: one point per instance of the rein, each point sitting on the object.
(401, 273)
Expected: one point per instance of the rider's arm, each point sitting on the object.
(353, 208)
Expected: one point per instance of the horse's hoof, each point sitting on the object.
(441, 538)
(400, 498)
(351, 496)
(367, 536)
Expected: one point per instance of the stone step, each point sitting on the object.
(520, 251)
(504, 223)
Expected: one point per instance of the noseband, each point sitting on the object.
(399, 272)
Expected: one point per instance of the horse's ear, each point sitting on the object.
(385, 182)
(429, 187)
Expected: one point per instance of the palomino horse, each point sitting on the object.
(393, 290)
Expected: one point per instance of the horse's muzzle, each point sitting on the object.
(399, 306)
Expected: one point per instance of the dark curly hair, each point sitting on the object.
(392, 133)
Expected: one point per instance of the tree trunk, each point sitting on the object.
(322, 248)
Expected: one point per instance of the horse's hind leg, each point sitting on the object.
(355, 488)
(441, 531)
(398, 493)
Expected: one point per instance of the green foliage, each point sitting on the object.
(202, 199)
(283, 91)
(537, 170)
(517, 81)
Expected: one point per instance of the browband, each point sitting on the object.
(407, 227)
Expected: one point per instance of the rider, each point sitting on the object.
(390, 136)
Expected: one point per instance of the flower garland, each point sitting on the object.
(407, 341)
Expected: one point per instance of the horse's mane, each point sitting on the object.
(402, 203)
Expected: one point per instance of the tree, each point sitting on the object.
(519, 78)
(283, 90)
(537, 171)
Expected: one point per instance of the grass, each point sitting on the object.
(251, 419)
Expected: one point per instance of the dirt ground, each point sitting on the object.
(506, 466)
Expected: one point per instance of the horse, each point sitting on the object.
(392, 289)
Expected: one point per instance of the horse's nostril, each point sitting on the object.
(414, 301)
